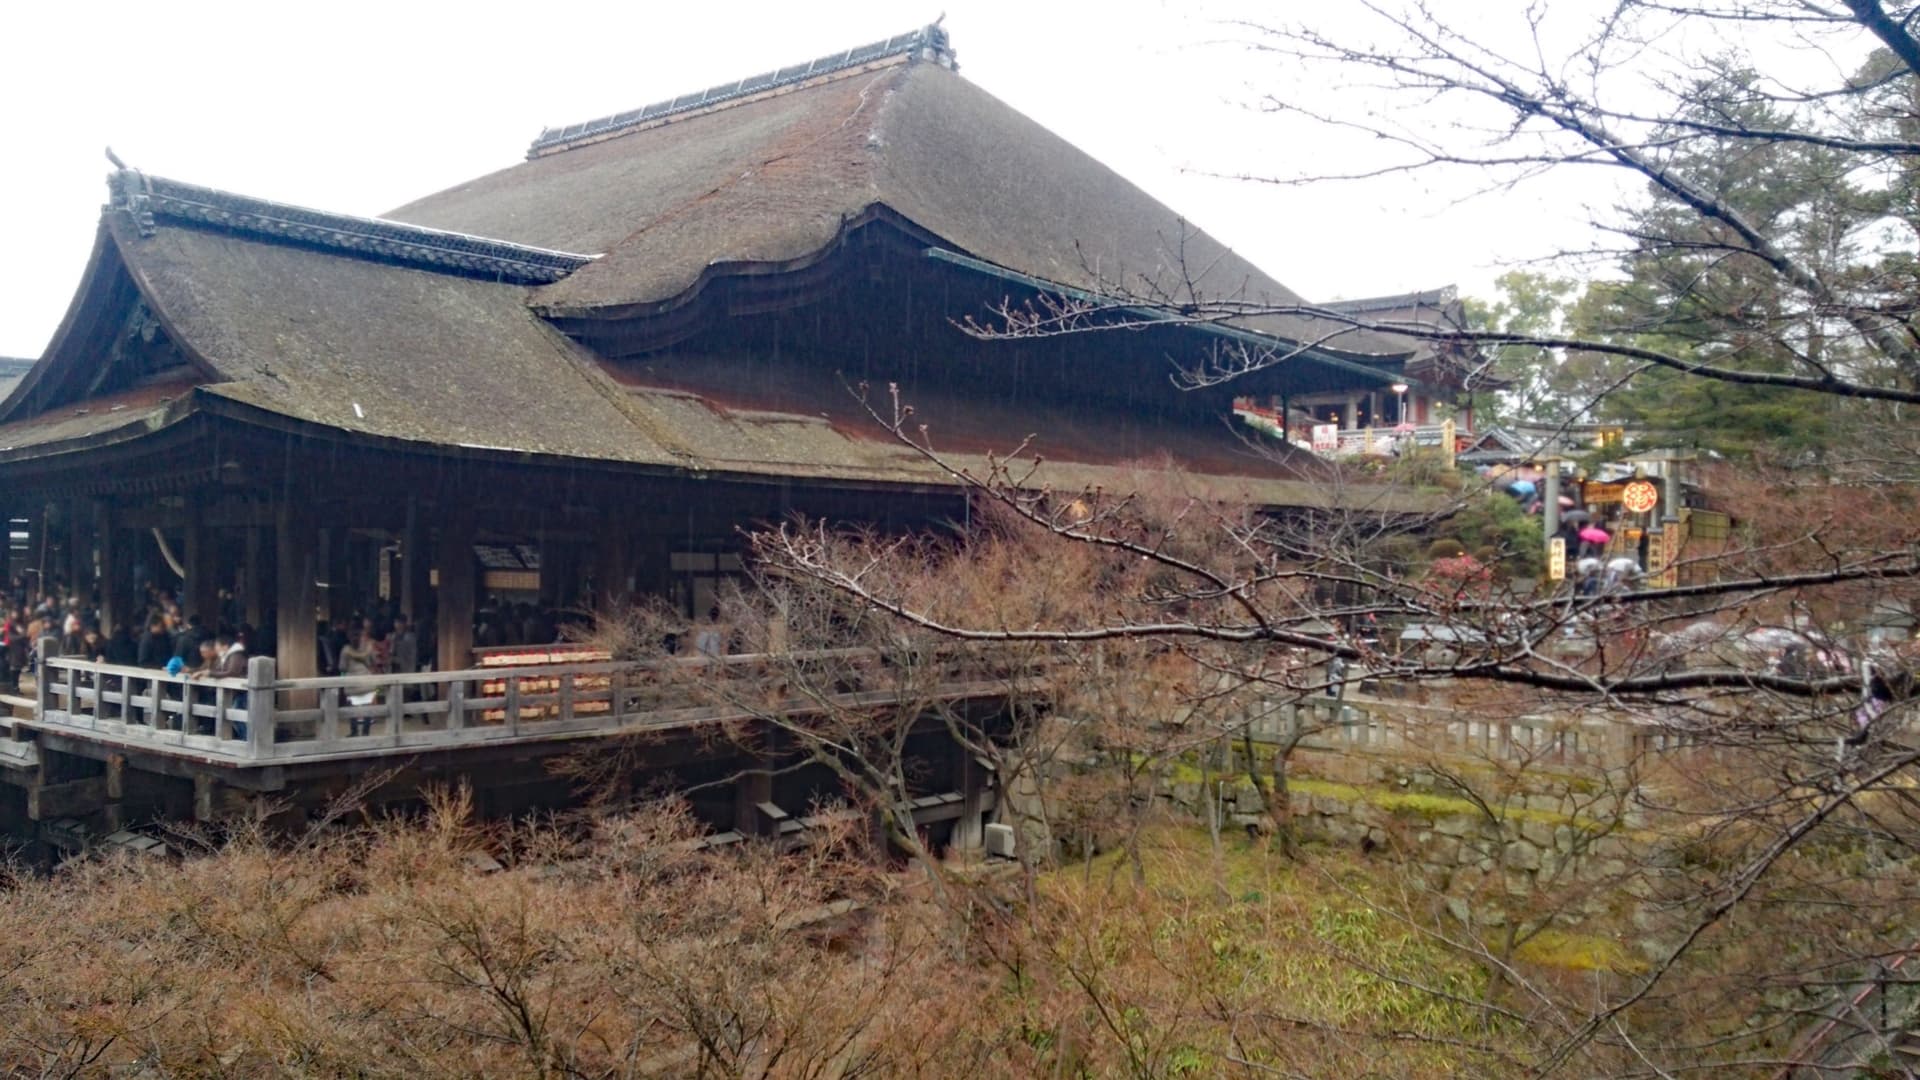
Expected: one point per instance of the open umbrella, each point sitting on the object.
(1593, 534)
(1566, 502)
(1575, 517)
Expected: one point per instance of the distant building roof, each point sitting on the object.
(1507, 443)
(1441, 299)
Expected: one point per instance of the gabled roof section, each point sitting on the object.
(768, 181)
(927, 43)
(150, 200)
(335, 339)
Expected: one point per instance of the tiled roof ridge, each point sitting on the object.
(928, 43)
(1426, 298)
(149, 199)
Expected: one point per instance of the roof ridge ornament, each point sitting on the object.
(148, 199)
(128, 190)
(928, 44)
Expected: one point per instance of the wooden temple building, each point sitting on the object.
(572, 381)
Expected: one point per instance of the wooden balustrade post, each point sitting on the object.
(260, 720)
(43, 678)
(396, 708)
(330, 715)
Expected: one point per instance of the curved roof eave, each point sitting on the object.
(99, 291)
(1353, 363)
(936, 247)
(872, 213)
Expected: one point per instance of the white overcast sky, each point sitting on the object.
(358, 107)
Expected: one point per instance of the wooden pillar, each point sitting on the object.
(753, 789)
(202, 559)
(456, 599)
(79, 549)
(969, 829)
(651, 566)
(41, 552)
(121, 601)
(559, 573)
(612, 570)
(297, 643)
(336, 568)
(253, 578)
(416, 564)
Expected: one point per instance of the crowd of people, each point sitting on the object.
(167, 639)
(163, 637)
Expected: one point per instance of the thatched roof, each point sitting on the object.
(345, 340)
(364, 346)
(433, 330)
(770, 179)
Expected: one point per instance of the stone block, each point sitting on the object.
(1520, 855)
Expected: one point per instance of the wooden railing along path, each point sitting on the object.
(263, 719)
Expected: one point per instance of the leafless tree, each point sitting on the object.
(1795, 763)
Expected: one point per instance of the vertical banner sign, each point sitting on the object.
(1557, 559)
(1670, 539)
(1447, 436)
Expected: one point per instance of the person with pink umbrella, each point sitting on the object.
(1593, 539)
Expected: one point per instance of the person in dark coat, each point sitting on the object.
(186, 643)
(121, 648)
(156, 645)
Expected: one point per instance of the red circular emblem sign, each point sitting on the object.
(1640, 496)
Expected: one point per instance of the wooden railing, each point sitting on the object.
(265, 719)
(174, 712)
